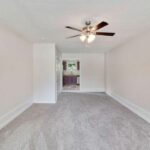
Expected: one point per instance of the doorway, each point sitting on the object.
(71, 75)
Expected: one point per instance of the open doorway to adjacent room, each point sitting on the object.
(71, 75)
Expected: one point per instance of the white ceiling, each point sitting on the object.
(45, 21)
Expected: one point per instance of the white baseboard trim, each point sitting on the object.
(133, 107)
(12, 114)
(92, 91)
(82, 91)
(44, 102)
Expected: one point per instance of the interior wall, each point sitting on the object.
(128, 71)
(58, 72)
(16, 71)
(91, 70)
(45, 73)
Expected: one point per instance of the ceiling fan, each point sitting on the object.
(89, 32)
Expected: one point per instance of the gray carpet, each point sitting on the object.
(77, 122)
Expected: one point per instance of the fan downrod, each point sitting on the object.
(88, 23)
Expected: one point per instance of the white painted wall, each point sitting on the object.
(44, 73)
(16, 72)
(58, 72)
(91, 70)
(128, 72)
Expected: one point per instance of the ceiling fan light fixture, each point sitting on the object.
(89, 32)
(83, 37)
(91, 38)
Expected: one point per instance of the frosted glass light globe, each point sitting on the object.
(91, 38)
(83, 38)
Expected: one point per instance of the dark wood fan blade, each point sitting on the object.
(105, 33)
(73, 36)
(73, 28)
(101, 25)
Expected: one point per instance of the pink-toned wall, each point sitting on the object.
(16, 71)
(128, 71)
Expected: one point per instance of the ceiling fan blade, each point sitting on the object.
(73, 36)
(105, 33)
(101, 25)
(73, 28)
